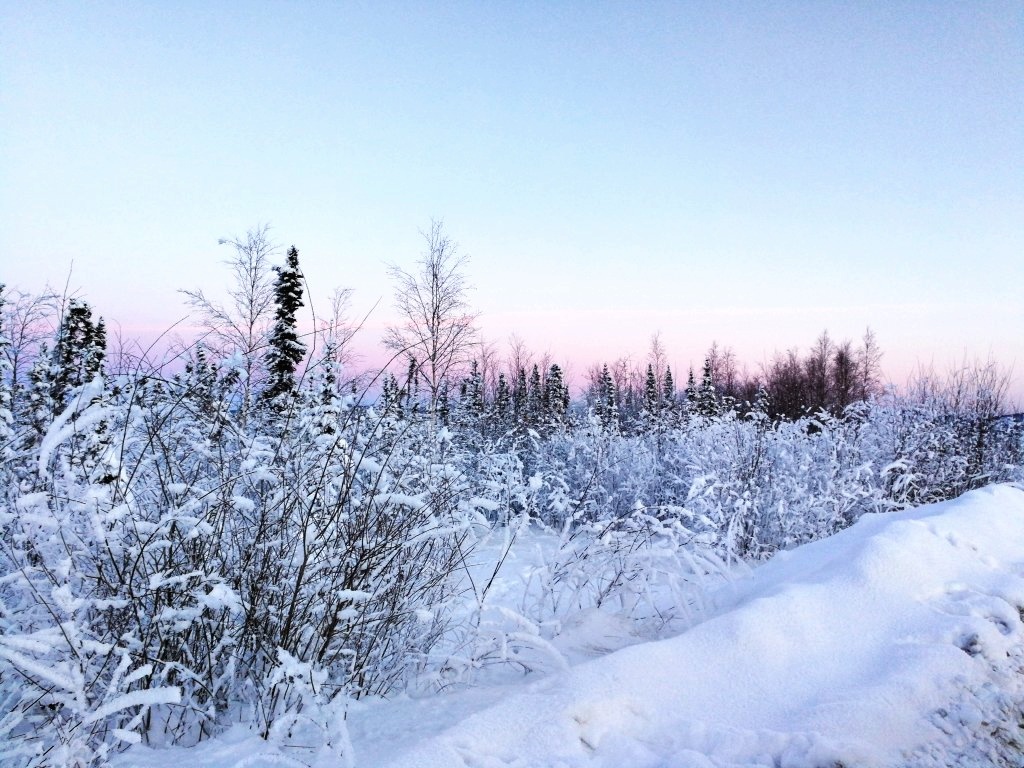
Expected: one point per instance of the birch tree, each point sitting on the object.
(436, 327)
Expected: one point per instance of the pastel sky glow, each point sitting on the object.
(751, 173)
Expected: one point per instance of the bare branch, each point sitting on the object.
(437, 327)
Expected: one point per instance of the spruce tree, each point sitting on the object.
(475, 392)
(470, 410)
(534, 397)
(286, 351)
(651, 391)
(41, 406)
(325, 408)
(691, 392)
(707, 399)
(668, 393)
(391, 398)
(77, 359)
(76, 354)
(556, 395)
(96, 458)
(92, 358)
(412, 387)
(200, 382)
(502, 406)
(606, 405)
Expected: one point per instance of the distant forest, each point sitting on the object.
(439, 361)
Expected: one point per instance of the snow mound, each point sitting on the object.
(899, 641)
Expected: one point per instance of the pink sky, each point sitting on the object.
(751, 174)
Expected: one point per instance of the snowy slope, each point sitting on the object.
(898, 642)
(890, 643)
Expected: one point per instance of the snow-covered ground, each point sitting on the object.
(897, 642)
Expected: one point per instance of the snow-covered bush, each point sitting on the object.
(171, 578)
(751, 487)
(649, 570)
(79, 630)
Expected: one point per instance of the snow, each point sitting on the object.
(78, 417)
(150, 696)
(897, 642)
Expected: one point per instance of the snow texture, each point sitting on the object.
(840, 652)
(897, 642)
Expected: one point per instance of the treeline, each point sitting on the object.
(439, 366)
(829, 378)
(259, 536)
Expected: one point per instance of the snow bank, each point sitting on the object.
(895, 642)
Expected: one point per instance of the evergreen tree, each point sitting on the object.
(691, 392)
(501, 409)
(41, 406)
(78, 353)
(391, 397)
(471, 408)
(200, 381)
(325, 408)
(519, 395)
(208, 392)
(668, 393)
(56, 378)
(534, 397)
(556, 395)
(472, 393)
(286, 351)
(707, 399)
(844, 376)
(651, 401)
(92, 362)
(412, 387)
(606, 402)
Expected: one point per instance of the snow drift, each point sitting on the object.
(898, 641)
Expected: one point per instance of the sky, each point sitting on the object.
(746, 173)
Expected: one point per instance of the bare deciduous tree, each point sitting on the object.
(337, 329)
(436, 325)
(28, 321)
(844, 376)
(818, 365)
(487, 355)
(520, 358)
(725, 371)
(869, 359)
(241, 325)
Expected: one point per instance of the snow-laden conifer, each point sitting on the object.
(285, 351)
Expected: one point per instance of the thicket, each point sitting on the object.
(253, 540)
